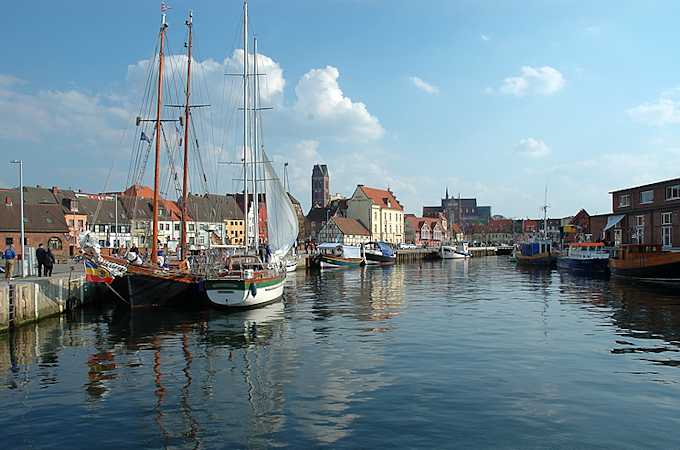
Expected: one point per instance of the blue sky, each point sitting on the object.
(492, 99)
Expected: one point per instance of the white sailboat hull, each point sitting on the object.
(241, 294)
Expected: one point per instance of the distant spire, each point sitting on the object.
(447, 192)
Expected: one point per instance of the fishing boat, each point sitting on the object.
(536, 253)
(647, 263)
(379, 253)
(333, 256)
(587, 258)
(256, 277)
(459, 251)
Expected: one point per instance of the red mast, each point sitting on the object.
(185, 180)
(156, 176)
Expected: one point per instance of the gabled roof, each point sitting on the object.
(349, 226)
(381, 197)
(38, 218)
(213, 208)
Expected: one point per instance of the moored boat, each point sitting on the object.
(379, 253)
(256, 278)
(246, 283)
(459, 251)
(536, 253)
(586, 258)
(333, 256)
(646, 262)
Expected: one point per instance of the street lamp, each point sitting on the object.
(21, 200)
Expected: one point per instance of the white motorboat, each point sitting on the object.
(459, 251)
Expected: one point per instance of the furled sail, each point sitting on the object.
(282, 221)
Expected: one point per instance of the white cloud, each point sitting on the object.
(534, 148)
(664, 111)
(485, 37)
(322, 105)
(544, 80)
(424, 86)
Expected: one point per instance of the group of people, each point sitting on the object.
(44, 257)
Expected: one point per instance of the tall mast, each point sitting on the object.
(156, 176)
(256, 202)
(545, 214)
(245, 121)
(185, 179)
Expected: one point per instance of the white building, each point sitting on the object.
(379, 211)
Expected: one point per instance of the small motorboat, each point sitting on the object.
(333, 256)
(379, 253)
(459, 251)
(586, 258)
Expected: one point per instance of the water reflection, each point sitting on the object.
(346, 358)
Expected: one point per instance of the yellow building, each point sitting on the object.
(233, 231)
(379, 211)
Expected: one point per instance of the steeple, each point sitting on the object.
(447, 192)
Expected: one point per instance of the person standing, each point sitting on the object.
(49, 262)
(9, 255)
(40, 255)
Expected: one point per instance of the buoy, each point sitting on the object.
(253, 289)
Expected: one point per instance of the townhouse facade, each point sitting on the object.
(379, 211)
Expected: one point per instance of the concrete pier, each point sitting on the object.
(31, 299)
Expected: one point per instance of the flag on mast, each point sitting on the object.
(164, 7)
(145, 138)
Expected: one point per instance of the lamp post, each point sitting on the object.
(21, 201)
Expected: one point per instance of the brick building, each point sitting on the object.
(321, 193)
(647, 214)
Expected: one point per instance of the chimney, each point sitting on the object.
(8, 201)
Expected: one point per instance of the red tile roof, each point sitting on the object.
(381, 197)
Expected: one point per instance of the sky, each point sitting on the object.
(493, 100)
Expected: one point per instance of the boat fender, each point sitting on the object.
(253, 289)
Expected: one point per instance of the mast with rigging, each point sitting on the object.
(185, 177)
(246, 239)
(156, 176)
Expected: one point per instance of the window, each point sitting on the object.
(667, 236)
(191, 227)
(176, 227)
(624, 200)
(639, 233)
(81, 224)
(646, 196)
(70, 222)
(666, 218)
(673, 192)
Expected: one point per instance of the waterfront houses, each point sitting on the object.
(343, 230)
(379, 211)
(426, 231)
(462, 211)
(318, 216)
(211, 216)
(44, 221)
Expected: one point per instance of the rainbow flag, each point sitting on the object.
(97, 274)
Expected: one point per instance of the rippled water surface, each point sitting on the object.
(474, 354)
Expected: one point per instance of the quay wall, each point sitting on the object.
(27, 300)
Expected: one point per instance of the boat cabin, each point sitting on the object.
(536, 248)
(587, 250)
(340, 250)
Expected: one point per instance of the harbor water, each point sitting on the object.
(453, 354)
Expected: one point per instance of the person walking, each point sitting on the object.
(49, 262)
(9, 255)
(40, 255)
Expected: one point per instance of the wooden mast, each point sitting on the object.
(156, 177)
(185, 179)
(246, 143)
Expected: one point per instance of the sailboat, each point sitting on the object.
(149, 283)
(250, 280)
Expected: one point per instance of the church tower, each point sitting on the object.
(321, 194)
